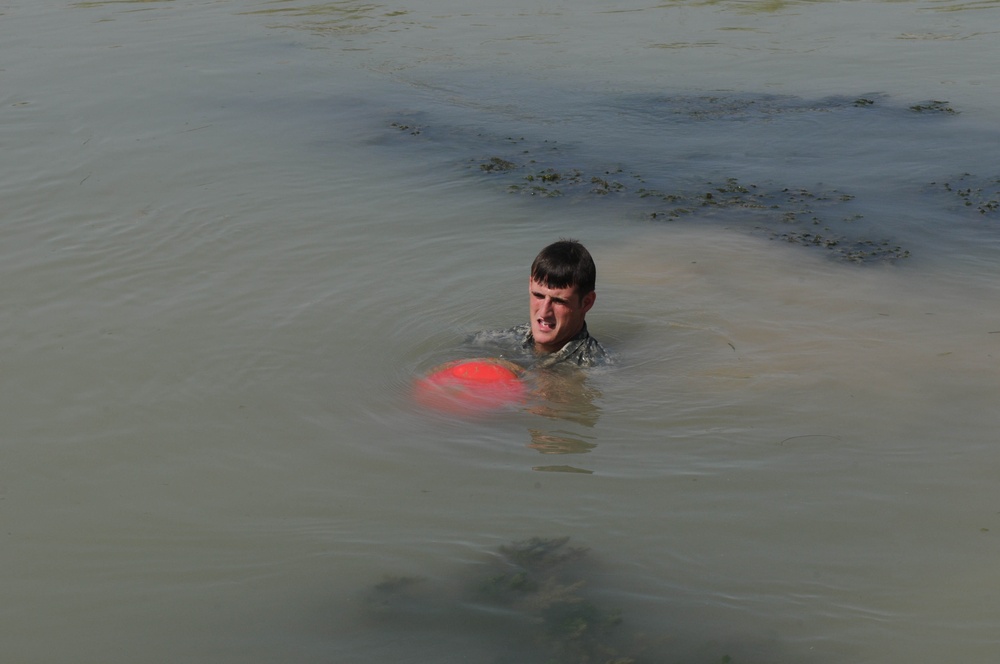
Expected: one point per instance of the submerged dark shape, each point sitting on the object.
(535, 592)
(537, 554)
(540, 583)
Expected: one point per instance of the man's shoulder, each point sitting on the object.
(511, 343)
(583, 351)
(518, 334)
(591, 353)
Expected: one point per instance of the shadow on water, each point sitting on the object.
(540, 601)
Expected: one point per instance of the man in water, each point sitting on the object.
(560, 293)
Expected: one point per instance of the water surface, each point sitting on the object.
(234, 232)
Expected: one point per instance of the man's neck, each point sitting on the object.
(548, 349)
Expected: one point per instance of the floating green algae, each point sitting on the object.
(497, 164)
(933, 106)
(975, 193)
(772, 207)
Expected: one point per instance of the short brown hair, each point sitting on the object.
(565, 264)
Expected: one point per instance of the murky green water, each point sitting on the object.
(234, 232)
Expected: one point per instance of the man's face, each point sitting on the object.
(557, 315)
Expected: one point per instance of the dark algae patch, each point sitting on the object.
(769, 209)
(498, 164)
(412, 130)
(855, 251)
(974, 193)
(764, 107)
(814, 217)
(933, 106)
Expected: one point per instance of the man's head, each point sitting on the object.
(561, 292)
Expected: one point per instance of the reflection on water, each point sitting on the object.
(559, 442)
(562, 469)
(563, 394)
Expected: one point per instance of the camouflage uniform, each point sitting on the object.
(518, 345)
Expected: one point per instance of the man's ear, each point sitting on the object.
(588, 301)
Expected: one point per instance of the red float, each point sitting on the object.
(471, 386)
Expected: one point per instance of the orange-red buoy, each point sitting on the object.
(471, 386)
